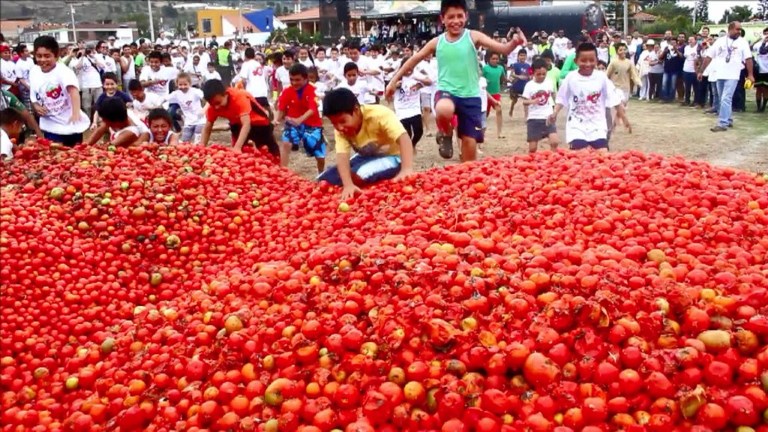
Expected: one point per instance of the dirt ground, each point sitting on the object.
(668, 129)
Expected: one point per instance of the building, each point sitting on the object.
(221, 21)
(89, 32)
(13, 28)
(308, 21)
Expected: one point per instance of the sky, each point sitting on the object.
(717, 7)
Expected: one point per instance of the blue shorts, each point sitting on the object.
(582, 144)
(469, 113)
(309, 136)
(66, 140)
(366, 170)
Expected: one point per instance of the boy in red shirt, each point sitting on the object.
(248, 121)
(297, 105)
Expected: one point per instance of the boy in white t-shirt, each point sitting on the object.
(538, 96)
(281, 73)
(190, 101)
(253, 75)
(55, 95)
(11, 123)
(407, 105)
(353, 82)
(125, 130)
(143, 101)
(156, 77)
(211, 73)
(587, 95)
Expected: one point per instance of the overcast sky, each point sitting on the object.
(717, 7)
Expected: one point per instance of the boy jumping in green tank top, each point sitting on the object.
(458, 80)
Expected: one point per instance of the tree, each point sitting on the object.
(736, 13)
(762, 10)
(653, 3)
(702, 11)
(669, 10)
(170, 12)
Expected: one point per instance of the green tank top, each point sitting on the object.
(457, 67)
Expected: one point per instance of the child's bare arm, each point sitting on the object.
(428, 49)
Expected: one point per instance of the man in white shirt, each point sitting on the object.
(155, 78)
(130, 73)
(87, 65)
(162, 40)
(7, 68)
(560, 46)
(731, 53)
(102, 53)
(254, 78)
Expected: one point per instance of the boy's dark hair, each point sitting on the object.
(212, 64)
(155, 55)
(548, 54)
(298, 69)
(445, 4)
(319, 49)
(165, 56)
(522, 51)
(114, 50)
(619, 45)
(353, 46)
(109, 76)
(289, 54)
(311, 70)
(334, 49)
(339, 101)
(351, 66)
(134, 84)
(602, 63)
(213, 88)
(113, 110)
(47, 42)
(585, 47)
(539, 63)
(158, 113)
(9, 116)
(250, 53)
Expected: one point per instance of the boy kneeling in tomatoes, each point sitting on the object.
(382, 146)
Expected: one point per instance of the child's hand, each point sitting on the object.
(349, 191)
(75, 117)
(551, 119)
(41, 110)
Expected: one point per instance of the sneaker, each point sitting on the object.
(445, 145)
(719, 129)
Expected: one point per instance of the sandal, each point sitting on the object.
(445, 145)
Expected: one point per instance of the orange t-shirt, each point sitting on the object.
(239, 103)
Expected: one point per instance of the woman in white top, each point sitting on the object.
(761, 76)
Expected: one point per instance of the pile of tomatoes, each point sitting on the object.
(188, 288)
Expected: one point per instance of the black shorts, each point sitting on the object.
(261, 135)
(538, 129)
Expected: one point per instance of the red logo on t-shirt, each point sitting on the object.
(54, 92)
(541, 97)
(594, 97)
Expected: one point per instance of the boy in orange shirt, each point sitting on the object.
(248, 120)
(297, 105)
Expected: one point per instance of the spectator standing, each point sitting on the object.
(730, 52)
(761, 60)
(692, 58)
(87, 67)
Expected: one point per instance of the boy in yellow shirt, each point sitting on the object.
(382, 146)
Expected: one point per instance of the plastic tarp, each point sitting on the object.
(261, 19)
(394, 8)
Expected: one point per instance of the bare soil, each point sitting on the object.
(667, 129)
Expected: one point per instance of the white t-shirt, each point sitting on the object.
(283, 77)
(150, 102)
(709, 71)
(178, 62)
(407, 99)
(658, 67)
(691, 54)
(376, 82)
(320, 89)
(255, 78)
(587, 98)
(359, 89)
(8, 71)
(49, 89)
(137, 128)
(543, 94)
(109, 63)
(560, 47)
(23, 67)
(164, 75)
(604, 54)
(190, 104)
(483, 94)
(395, 65)
(131, 72)
(163, 41)
(306, 62)
(6, 146)
(429, 69)
(730, 65)
(87, 72)
(207, 76)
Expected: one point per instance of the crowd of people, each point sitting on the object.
(381, 98)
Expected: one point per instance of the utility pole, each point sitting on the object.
(72, 4)
(626, 18)
(151, 22)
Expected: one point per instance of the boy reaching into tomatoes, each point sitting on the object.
(248, 121)
(382, 146)
(297, 107)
